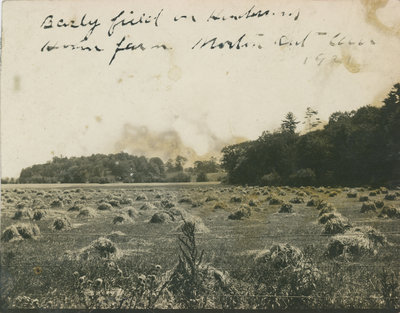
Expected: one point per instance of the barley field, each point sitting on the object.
(199, 246)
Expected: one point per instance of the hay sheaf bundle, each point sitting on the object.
(349, 245)
(286, 208)
(141, 197)
(158, 196)
(62, 223)
(352, 194)
(20, 205)
(379, 204)
(296, 200)
(39, 214)
(132, 212)
(375, 236)
(101, 248)
(185, 199)
(253, 203)
(122, 218)
(75, 208)
(160, 218)
(368, 206)
(286, 265)
(200, 227)
(236, 199)
(10, 200)
(20, 231)
(328, 208)
(281, 256)
(127, 201)
(220, 206)
(114, 202)
(104, 206)
(119, 219)
(383, 190)
(313, 202)
(147, 206)
(328, 216)
(356, 242)
(56, 204)
(86, 213)
(390, 211)
(211, 198)
(275, 201)
(11, 234)
(197, 203)
(240, 214)
(320, 204)
(85, 197)
(167, 204)
(39, 204)
(24, 213)
(390, 197)
(336, 225)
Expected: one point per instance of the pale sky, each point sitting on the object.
(193, 101)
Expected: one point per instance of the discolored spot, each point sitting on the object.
(371, 6)
(139, 140)
(174, 73)
(349, 63)
(98, 118)
(17, 83)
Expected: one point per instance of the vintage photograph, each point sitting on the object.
(229, 154)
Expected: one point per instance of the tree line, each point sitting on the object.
(112, 168)
(97, 168)
(360, 147)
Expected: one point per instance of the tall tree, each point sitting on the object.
(311, 119)
(289, 124)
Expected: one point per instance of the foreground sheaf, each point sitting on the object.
(199, 246)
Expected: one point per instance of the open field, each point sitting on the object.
(123, 246)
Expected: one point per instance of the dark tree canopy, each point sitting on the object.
(97, 168)
(355, 148)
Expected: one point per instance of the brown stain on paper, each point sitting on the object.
(371, 6)
(139, 140)
(174, 72)
(142, 141)
(17, 83)
(349, 62)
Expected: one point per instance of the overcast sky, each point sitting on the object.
(184, 100)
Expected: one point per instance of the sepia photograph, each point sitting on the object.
(192, 155)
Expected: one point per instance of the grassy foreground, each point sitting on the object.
(199, 246)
